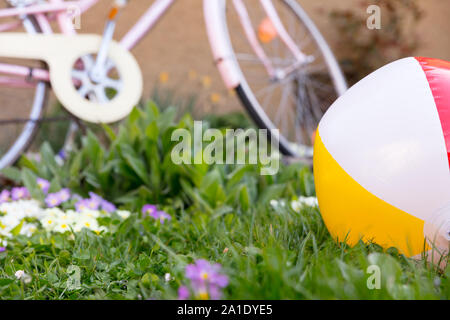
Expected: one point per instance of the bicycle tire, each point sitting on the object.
(28, 133)
(257, 112)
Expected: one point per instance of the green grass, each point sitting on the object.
(221, 213)
(271, 255)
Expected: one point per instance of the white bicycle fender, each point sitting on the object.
(61, 52)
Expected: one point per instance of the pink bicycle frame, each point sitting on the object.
(214, 15)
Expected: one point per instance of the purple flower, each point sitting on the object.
(5, 196)
(203, 271)
(91, 204)
(98, 201)
(162, 216)
(81, 205)
(107, 206)
(53, 200)
(150, 210)
(206, 279)
(19, 193)
(43, 184)
(64, 194)
(2, 249)
(183, 293)
(95, 197)
(62, 154)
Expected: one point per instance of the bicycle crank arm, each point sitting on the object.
(61, 52)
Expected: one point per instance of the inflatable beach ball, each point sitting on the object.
(382, 159)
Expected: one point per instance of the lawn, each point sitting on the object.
(164, 231)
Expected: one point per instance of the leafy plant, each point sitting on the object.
(135, 167)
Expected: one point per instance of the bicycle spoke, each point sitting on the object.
(84, 90)
(101, 95)
(112, 84)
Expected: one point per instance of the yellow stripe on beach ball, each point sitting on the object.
(351, 213)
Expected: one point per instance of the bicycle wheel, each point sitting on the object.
(293, 102)
(22, 108)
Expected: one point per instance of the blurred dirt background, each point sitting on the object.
(176, 54)
(175, 57)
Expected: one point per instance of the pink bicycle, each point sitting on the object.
(269, 51)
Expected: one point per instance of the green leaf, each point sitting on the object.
(166, 119)
(16, 230)
(29, 180)
(272, 192)
(244, 198)
(152, 131)
(134, 116)
(12, 173)
(48, 158)
(25, 162)
(75, 166)
(109, 132)
(135, 163)
(237, 175)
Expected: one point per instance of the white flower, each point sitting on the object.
(49, 223)
(54, 213)
(68, 218)
(51, 219)
(124, 214)
(86, 222)
(62, 227)
(22, 209)
(309, 201)
(100, 229)
(9, 222)
(19, 274)
(277, 204)
(297, 205)
(274, 203)
(167, 277)
(87, 213)
(28, 229)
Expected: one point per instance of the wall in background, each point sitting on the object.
(176, 55)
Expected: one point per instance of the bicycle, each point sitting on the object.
(273, 56)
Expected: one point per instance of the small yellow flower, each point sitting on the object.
(193, 75)
(206, 82)
(215, 98)
(203, 295)
(231, 93)
(164, 77)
